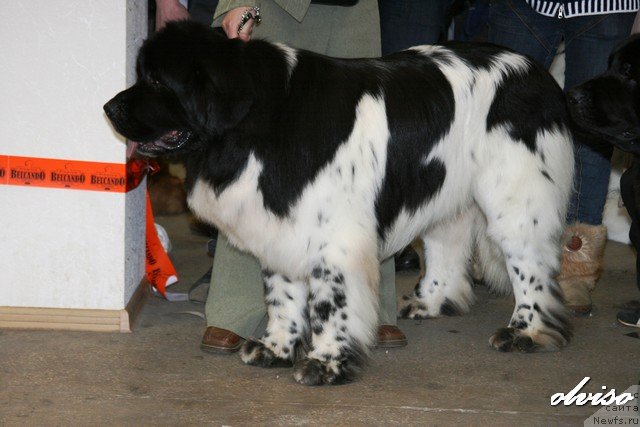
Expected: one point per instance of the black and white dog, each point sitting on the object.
(322, 167)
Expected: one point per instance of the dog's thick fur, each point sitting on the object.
(607, 110)
(321, 167)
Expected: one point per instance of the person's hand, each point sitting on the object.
(169, 10)
(231, 23)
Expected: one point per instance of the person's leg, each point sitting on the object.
(629, 185)
(515, 25)
(588, 42)
(202, 10)
(407, 23)
(236, 301)
(388, 301)
(236, 298)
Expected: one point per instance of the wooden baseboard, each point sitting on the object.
(134, 307)
(72, 319)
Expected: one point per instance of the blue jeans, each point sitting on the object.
(202, 10)
(406, 23)
(588, 42)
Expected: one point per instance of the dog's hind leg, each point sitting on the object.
(524, 199)
(343, 314)
(285, 339)
(489, 266)
(445, 288)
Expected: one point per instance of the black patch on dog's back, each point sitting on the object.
(420, 109)
(527, 103)
(315, 118)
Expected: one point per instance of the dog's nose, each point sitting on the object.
(577, 96)
(111, 109)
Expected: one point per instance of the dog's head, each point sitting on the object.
(192, 85)
(609, 105)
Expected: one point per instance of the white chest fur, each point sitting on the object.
(336, 208)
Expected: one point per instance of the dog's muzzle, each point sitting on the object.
(578, 97)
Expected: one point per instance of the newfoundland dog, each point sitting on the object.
(321, 167)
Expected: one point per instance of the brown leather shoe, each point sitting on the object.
(390, 336)
(218, 340)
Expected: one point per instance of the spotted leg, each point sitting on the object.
(539, 320)
(529, 240)
(343, 315)
(445, 288)
(284, 339)
(525, 211)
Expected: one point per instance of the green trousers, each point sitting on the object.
(236, 300)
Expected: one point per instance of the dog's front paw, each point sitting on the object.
(256, 353)
(310, 371)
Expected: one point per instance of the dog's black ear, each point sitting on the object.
(222, 90)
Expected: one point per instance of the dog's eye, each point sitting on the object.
(625, 70)
(628, 134)
(155, 82)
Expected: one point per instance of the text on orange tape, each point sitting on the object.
(66, 174)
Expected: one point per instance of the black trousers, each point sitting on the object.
(630, 192)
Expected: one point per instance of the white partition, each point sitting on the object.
(60, 61)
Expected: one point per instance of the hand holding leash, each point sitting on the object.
(239, 22)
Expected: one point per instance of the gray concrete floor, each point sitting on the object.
(446, 375)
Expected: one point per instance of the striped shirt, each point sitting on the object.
(573, 8)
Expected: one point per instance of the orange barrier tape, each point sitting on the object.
(71, 174)
(160, 270)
